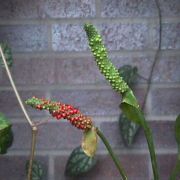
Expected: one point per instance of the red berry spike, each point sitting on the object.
(60, 110)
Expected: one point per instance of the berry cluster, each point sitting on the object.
(60, 110)
(100, 53)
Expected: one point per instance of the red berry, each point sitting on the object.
(58, 116)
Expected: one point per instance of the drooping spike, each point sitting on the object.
(60, 110)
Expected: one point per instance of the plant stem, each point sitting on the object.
(113, 156)
(15, 89)
(151, 147)
(156, 57)
(33, 146)
(33, 126)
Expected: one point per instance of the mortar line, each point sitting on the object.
(118, 151)
(75, 54)
(98, 119)
(122, 53)
(90, 86)
(125, 20)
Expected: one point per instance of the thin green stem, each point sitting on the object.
(151, 147)
(113, 156)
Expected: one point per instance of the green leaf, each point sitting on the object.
(79, 163)
(7, 53)
(38, 172)
(177, 131)
(6, 135)
(133, 113)
(127, 127)
(129, 98)
(137, 116)
(129, 74)
(130, 122)
(89, 143)
(128, 130)
(176, 169)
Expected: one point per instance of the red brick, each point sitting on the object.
(10, 106)
(170, 36)
(43, 71)
(142, 62)
(125, 36)
(18, 9)
(52, 136)
(13, 167)
(163, 134)
(84, 70)
(21, 72)
(31, 71)
(90, 102)
(94, 102)
(78, 71)
(167, 70)
(167, 141)
(136, 167)
(165, 101)
(166, 164)
(25, 38)
(68, 8)
(126, 8)
(68, 37)
(169, 8)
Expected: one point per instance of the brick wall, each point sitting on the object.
(52, 60)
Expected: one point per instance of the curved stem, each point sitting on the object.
(156, 57)
(151, 147)
(14, 88)
(113, 156)
(31, 123)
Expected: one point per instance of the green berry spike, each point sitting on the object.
(100, 53)
(129, 105)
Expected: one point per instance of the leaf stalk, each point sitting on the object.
(113, 156)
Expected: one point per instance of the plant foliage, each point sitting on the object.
(89, 143)
(6, 135)
(176, 170)
(38, 172)
(7, 53)
(128, 128)
(79, 163)
(129, 105)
